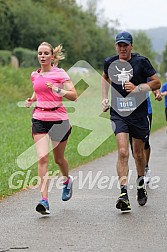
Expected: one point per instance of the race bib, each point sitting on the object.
(126, 104)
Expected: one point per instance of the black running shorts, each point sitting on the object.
(138, 128)
(58, 131)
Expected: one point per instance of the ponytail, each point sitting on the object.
(58, 54)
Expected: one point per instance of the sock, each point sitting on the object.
(123, 188)
(146, 167)
(140, 180)
(66, 182)
(44, 198)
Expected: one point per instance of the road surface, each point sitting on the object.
(90, 221)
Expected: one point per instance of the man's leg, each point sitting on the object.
(123, 170)
(147, 151)
(123, 156)
(147, 172)
(138, 153)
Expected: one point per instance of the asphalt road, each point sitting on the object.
(90, 221)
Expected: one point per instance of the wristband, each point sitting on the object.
(143, 88)
(140, 88)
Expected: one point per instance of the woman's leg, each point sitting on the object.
(63, 165)
(42, 148)
(58, 152)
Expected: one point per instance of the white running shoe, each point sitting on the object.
(147, 176)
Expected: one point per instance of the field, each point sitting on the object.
(15, 125)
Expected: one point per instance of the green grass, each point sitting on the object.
(16, 137)
(158, 114)
(15, 125)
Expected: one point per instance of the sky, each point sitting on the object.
(133, 14)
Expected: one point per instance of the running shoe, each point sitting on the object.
(141, 195)
(123, 202)
(67, 190)
(43, 207)
(147, 176)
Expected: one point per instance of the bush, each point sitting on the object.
(26, 57)
(5, 57)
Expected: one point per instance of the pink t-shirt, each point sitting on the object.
(46, 98)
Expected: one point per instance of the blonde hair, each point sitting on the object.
(57, 52)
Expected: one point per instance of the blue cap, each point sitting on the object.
(124, 37)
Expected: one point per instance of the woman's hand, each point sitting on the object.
(50, 85)
(28, 102)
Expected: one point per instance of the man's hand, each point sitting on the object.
(129, 87)
(158, 95)
(164, 93)
(105, 105)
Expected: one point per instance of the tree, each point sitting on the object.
(6, 25)
(28, 23)
(164, 61)
(34, 24)
(142, 45)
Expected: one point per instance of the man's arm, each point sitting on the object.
(154, 83)
(105, 83)
(164, 93)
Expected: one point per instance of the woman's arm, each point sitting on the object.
(29, 101)
(69, 91)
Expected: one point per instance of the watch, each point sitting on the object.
(58, 90)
